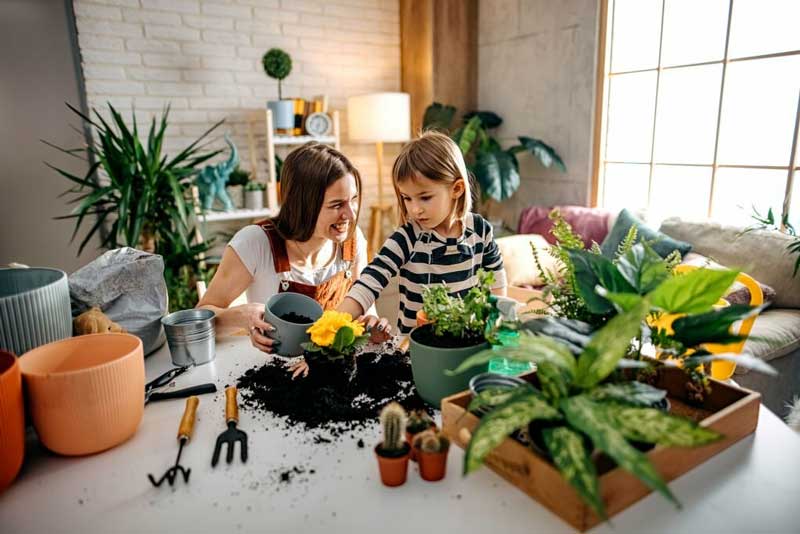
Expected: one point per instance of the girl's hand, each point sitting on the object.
(257, 330)
(299, 367)
(378, 328)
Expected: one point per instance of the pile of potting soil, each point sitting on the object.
(331, 401)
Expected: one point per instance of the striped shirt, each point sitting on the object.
(423, 257)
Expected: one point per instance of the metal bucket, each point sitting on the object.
(191, 336)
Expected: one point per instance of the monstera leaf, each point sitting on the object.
(546, 154)
(497, 172)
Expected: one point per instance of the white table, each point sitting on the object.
(753, 486)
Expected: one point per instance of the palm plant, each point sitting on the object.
(580, 399)
(496, 169)
(138, 196)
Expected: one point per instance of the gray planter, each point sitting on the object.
(282, 114)
(236, 192)
(34, 308)
(254, 200)
(291, 335)
(428, 365)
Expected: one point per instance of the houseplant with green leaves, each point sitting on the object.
(587, 402)
(135, 195)
(495, 168)
(278, 65)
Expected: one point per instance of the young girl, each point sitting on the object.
(440, 239)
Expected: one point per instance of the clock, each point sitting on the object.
(319, 124)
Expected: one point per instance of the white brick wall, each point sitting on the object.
(203, 58)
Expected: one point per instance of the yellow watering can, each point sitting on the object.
(721, 369)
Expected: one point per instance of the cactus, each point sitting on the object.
(431, 441)
(418, 420)
(393, 420)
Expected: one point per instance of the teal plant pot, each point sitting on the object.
(290, 334)
(34, 308)
(428, 366)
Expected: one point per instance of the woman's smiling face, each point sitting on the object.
(339, 210)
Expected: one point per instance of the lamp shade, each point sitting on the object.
(383, 117)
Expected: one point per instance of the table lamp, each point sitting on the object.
(379, 118)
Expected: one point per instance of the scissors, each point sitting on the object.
(150, 393)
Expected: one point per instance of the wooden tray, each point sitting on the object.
(729, 410)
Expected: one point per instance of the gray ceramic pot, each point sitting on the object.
(291, 335)
(428, 365)
(282, 113)
(34, 308)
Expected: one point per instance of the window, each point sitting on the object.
(700, 105)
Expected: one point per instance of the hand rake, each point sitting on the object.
(184, 434)
(233, 434)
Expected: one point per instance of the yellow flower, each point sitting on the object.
(323, 331)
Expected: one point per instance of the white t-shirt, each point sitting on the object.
(251, 244)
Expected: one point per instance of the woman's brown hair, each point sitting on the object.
(307, 173)
(436, 157)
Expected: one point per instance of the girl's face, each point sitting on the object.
(430, 203)
(338, 210)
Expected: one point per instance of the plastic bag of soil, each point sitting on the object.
(128, 285)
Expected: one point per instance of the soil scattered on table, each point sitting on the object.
(332, 401)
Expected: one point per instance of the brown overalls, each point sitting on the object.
(329, 293)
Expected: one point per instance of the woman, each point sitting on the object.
(313, 246)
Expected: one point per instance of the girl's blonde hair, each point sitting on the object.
(436, 157)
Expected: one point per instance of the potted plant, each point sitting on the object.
(392, 453)
(235, 188)
(254, 195)
(431, 448)
(335, 336)
(418, 421)
(277, 64)
(495, 168)
(456, 329)
(142, 197)
(585, 402)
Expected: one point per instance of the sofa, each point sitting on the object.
(762, 254)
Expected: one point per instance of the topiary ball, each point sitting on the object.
(277, 63)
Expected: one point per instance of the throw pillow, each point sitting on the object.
(661, 243)
(518, 260)
(592, 224)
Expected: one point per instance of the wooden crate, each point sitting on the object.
(729, 410)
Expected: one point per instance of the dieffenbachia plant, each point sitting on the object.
(577, 395)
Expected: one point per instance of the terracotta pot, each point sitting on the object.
(410, 440)
(12, 419)
(432, 465)
(86, 393)
(393, 469)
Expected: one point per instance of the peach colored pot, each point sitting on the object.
(393, 470)
(12, 419)
(85, 394)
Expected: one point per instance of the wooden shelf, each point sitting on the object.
(234, 215)
(302, 139)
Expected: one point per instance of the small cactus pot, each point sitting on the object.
(432, 465)
(393, 469)
(410, 440)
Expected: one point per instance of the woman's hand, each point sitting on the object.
(258, 329)
(378, 328)
(298, 368)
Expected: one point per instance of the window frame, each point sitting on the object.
(603, 77)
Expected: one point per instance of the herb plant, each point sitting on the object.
(458, 317)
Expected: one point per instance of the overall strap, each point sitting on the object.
(280, 257)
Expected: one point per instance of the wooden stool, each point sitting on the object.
(376, 234)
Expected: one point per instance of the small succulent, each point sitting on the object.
(393, 421)
(432, 442)
(255, 185)
(419, 421)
